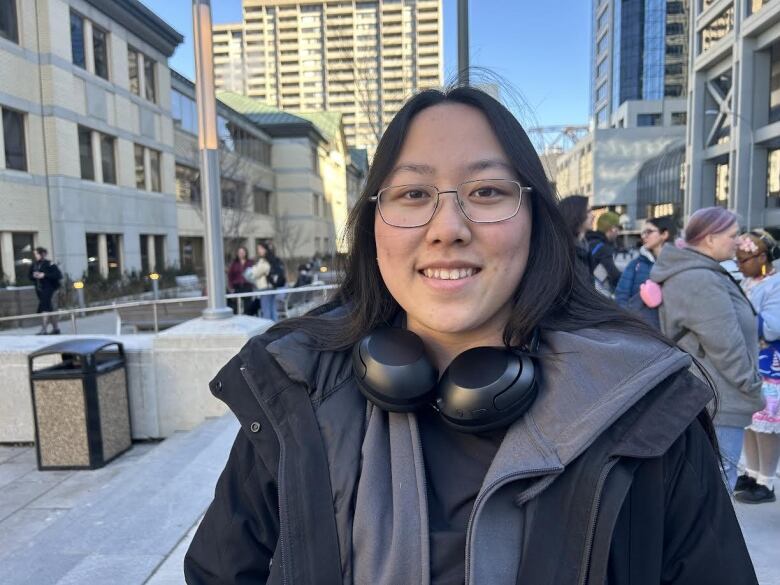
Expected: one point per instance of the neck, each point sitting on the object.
(704, 251)
(444, 347)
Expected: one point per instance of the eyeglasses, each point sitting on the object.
(482, 201)
(647, 232)
(747, 259)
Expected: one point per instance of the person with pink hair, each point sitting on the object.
(705, 309)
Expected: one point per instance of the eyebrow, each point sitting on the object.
(480, 165)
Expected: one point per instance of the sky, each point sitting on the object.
(541, 50)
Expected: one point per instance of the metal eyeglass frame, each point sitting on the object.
(439, 193)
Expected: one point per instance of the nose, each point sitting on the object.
(448, 225)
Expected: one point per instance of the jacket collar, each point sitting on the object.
(589, 379)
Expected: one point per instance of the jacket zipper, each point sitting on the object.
(594, 512)
(282, 497)
(491, 489)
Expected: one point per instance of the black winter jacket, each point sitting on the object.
(602, 252)
(642, 504)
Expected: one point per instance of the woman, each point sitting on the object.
(656, 233)
(761, 445)
(237, 281)
(708, 313)
(260, 272)
(457, 246)
(578, 219)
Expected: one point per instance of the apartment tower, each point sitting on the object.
(360, 58)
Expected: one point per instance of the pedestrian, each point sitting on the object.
(657, 232)
(239, 270)
(462, 412)
(579, 219)
(47, 278)
(761, 447)
(705, 309)
(304, 275)
(260, 270)
(601, 243)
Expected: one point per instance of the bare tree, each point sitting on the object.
(289, 237)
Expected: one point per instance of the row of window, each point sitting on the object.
(141, 68)
(233, 192)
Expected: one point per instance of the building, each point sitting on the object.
(734, 110)
(607, 166)
(313, 172)
(87, 134)
(359, 58)
(639, 52)
(247, 180)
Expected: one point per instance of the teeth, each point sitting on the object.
(444, 274)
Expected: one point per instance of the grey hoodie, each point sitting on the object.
(700, 296)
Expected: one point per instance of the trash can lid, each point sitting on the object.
(84, 346)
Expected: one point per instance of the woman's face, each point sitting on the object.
(242, 254)
(723, 246)
(751, 259)
(261, 251)
(446, 145)
(652, 238)
(588, 223)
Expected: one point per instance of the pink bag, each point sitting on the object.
(650, 293)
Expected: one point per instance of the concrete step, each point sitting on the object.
(120, 530)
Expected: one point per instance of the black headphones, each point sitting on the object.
(484, 388)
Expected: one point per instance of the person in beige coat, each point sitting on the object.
(705, 308)
(260, 272)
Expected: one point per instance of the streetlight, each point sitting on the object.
(750, 158)
(463, 42)
(208, 144)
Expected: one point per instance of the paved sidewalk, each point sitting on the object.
(131, 522)
(127, 523)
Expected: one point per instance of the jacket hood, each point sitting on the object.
(589, 378)
(673, 260)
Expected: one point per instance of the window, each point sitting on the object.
(232, 193)
(718, 28)
(93, 266)
(150, 87)
(673, 90)
(648, 119)
(8, 26)
(602, 44)
(601, 118)
(157, 244)
(675, 7)
(113, 255)
(262, 200)
(674, 49)
(23, 246)
(679, 118)
(315, 160)
(315, 204)
(100, 51)
(601, 92)
(774, 83)
(140, 168)
(187, 185)
(13, 135)
(674, 28)
(132, 67)
(673, 69)
(78, 54)
(85, 154)
(722, 184)
(191, 254)
(154, 169)
(184, 112)
(773, 178)
(107, 159)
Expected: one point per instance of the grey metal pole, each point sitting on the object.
(208, 143)
(463, 42)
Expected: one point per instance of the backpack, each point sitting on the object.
(277, 277)
(54, 275)
(599, 273)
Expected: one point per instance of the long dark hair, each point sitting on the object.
(552, 294)
(574, 210)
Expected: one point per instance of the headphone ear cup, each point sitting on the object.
(393, 371)
(486, 388)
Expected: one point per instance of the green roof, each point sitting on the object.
(257, 111)
(329, 123)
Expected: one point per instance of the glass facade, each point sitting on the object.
(773, 178)
(660, 185)
(718, 28)
(722, 184)
(8, 26)
(649, 50)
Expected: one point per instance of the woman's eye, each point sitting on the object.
(415, 195)
(486, 193)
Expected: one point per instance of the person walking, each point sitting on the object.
(237, 279)
(601, 244)
(707, 311)
(449, 417)
(579, 219)
(761, 447)
(47, 278)
(657, 232)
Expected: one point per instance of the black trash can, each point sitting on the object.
(81, 408)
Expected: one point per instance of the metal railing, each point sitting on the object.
(115, 307)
